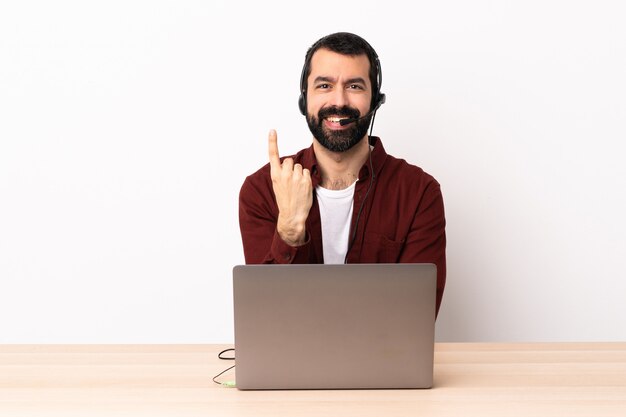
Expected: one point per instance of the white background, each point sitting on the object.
(127, 128)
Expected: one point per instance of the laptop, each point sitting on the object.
(353, 326)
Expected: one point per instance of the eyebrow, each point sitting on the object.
(357, 80)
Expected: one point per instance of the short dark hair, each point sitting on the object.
(345, 43)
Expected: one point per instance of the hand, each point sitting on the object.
(293, 190)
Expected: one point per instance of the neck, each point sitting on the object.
(339, 170)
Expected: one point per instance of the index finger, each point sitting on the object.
(273, 150)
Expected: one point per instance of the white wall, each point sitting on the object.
(126, 129)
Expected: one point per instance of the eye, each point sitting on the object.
(355, 87)
(323, 86)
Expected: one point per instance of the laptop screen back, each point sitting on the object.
(334, 326)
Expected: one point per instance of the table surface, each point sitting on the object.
(534, 379)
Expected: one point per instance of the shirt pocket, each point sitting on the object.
(379, 248)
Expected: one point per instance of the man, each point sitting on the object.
(344, 199)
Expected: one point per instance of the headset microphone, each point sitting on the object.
(381, 100)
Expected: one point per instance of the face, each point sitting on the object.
(338, 88)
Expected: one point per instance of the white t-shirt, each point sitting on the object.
(335, 215)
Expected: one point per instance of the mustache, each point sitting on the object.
(346, 111)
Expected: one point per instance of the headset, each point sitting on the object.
(378, 98)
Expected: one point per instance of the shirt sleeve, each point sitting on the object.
(258, 215)
(426, 241)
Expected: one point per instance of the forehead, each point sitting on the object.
(327, 63)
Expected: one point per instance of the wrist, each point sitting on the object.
(292, 233)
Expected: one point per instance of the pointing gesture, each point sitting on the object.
(293, 190)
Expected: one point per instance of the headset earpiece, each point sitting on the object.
(302, 103)
(381, 100)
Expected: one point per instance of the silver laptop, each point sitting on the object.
(353, 326)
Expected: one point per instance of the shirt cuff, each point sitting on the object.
(287, 254)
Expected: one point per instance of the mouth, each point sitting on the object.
(333, 122)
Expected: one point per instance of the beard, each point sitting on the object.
(338, 140)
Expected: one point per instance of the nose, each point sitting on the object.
(339, 97)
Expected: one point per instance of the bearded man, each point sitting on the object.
(343, 199)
